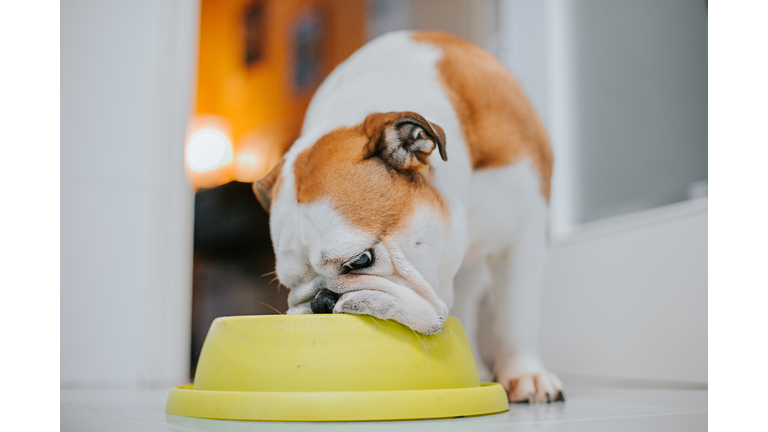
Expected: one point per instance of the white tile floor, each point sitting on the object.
(586, 408)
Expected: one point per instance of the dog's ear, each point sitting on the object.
(264, 187)
(404, 140)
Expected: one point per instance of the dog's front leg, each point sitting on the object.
(469, 285)
(518, 275)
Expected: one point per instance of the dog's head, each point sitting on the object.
(358, 225)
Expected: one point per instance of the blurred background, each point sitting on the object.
(170, 110)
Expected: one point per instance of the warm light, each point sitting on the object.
(208, 149)
(246, 162)
(245, 166)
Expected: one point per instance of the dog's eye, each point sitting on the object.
(363, 261)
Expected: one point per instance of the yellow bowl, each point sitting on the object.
(333, 368)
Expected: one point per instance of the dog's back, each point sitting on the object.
(498, 123)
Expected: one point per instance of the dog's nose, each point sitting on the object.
(324, 302)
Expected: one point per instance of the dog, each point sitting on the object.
(367, 218)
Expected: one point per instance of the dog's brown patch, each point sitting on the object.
(497, 121)
(363, 189)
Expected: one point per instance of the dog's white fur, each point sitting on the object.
(494, 240)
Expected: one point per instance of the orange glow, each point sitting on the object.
(256, 94)
(245, 168)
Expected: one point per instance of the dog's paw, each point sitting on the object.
(385, 306)
(538, 387)
(300, 309)
(526, 381)
(366, 302)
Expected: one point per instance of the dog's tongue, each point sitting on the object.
(324, 302)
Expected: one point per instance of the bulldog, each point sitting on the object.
(367, 218)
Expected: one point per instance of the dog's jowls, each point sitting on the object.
(367, 218)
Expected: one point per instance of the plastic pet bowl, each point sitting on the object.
(333, 368)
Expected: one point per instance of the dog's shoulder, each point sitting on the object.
(498, 122)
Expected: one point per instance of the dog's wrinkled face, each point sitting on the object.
(358, 226)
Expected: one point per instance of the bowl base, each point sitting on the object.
(488, 398)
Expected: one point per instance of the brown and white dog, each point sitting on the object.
(366, 218)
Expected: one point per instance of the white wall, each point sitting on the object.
(126, 208)
(627, 297)
(640, 92)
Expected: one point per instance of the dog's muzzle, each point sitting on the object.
(324, 301)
